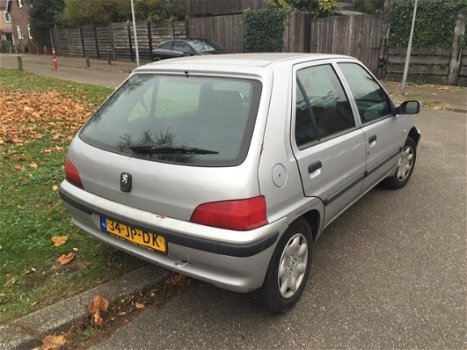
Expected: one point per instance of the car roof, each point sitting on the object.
(243, 59)
(186, 40)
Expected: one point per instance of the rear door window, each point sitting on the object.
(206, 121)
(322, 107)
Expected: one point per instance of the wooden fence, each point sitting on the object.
(427, 65)
(360, 36)
(222, 7)
(117, 38)
(463, 69)
(224, 30)
(296, 32)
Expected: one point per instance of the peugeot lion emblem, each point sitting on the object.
(125, 182)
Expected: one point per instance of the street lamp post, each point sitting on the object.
(409, 49)
(134, 31)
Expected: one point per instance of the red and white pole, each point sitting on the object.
(54, 59)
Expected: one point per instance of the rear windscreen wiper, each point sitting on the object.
(170, 150)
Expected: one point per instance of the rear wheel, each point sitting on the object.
(288, 269)
(405, 166)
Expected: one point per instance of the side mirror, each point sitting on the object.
(408, 107)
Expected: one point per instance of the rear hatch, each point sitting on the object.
(181, 140)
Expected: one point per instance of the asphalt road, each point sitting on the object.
(389, 273)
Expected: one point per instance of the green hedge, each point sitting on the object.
(434, 24)
(263, 30)
(4, 46)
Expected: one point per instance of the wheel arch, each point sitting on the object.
(415, 135)
(313, 218)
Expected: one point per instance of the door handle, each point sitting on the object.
(314, 166)
(372, 139)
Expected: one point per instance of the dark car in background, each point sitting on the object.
(185, 47)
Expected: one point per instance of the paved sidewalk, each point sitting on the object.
(73, 68)
(452, 98)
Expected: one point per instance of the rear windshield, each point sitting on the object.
(205, 121)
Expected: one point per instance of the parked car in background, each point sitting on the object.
(228, 168)
(185, 47)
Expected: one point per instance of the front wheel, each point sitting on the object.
(288, 269)
(405, 166)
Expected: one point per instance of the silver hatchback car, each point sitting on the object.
(227, 168)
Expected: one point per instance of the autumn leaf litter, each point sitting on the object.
(28, 116)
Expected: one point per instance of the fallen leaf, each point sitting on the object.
(98, 304)
(95, 307)
(34, 165)
(176, 280)
(10, 282)
(153, 292)
(18, 167)
(97, 319)
(55, 187)
(66, 258)
(53, 342)
(59, 240)
(139, 306)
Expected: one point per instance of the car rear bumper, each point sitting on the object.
(234, 260)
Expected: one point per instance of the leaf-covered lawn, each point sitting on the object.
(38, 117)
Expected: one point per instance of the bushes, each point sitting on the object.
(4, 46)
(434, 24)
(263, 30)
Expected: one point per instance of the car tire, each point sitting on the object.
(405, 166)
(288, 269)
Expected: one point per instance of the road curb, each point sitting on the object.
(458, 109)
(27, 332)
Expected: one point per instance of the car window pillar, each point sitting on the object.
(308, 105)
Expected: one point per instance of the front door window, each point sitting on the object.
(372, 101)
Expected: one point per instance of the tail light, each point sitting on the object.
(72, 174)
(239, 215)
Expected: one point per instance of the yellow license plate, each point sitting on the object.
(135, 235)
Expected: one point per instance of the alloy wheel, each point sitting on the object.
(292, 265)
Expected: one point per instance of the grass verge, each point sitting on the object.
(38, 116)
